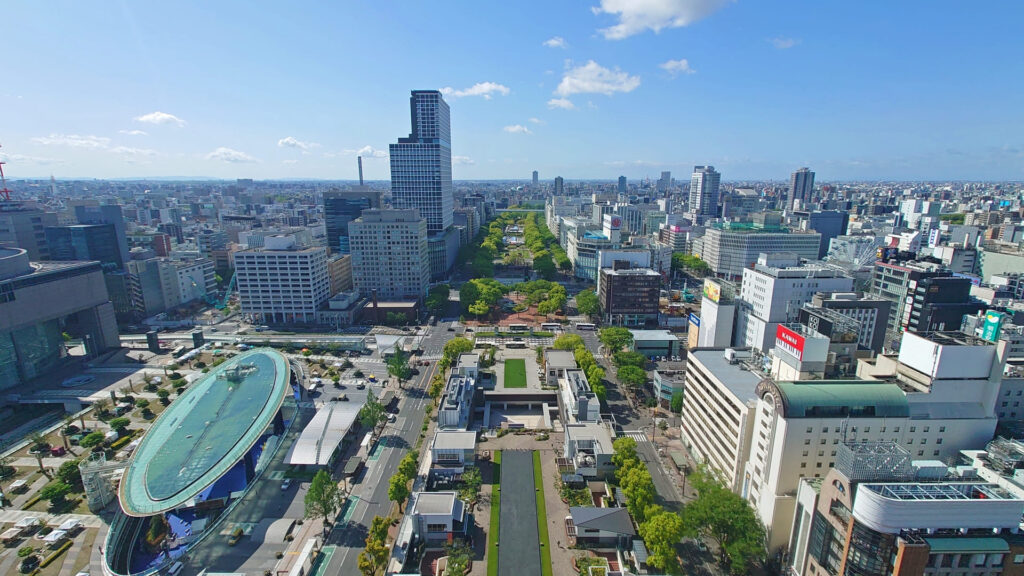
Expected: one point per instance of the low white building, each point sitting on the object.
(438, 515)
(451, 451)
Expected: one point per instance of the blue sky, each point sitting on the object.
(593, 89)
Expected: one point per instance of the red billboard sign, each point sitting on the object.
(789, 341)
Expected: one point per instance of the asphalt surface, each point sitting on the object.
(369, 495)
(627, 419)
(519, 541)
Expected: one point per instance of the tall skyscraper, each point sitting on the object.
(559, 185)
(536, 177)
(421, 165)
(704, 194)
(86, 242)
(622, 184)
(665, 182)
(342, 207)
(801, 187)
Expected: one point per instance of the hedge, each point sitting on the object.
(122, 440)
(56, 554)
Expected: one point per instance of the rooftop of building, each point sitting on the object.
(560, 359)
(932, 491)
(737, 376)
(630, 272)
(201, 436)
(595, 431)
(454, 440)
(843, 398)
(645, 335)
(435, 503)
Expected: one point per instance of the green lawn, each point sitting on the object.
(515, 373)
(492, 534)
(542, 517)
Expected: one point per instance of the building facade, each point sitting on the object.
(628, 296)
(342, 207)
(282, 283)
(421, 165)
(390, 255)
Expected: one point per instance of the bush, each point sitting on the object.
(92, 439)
(56, 554)
(120, 442)
(25, 551)
(142, 403)
(175, 376)
(120, 424)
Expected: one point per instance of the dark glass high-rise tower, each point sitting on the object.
(342, 207)
(421, 165)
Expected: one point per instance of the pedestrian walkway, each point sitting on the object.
(637, 435)
(14, 516)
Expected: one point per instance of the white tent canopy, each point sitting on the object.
(322, 436)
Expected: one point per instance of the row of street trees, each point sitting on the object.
(585, 360)
(717, 513)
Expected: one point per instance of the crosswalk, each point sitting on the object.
(637, 435)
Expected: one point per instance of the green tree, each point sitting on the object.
(372, 413)
(379, 529)
(453, 349)
(568, 342)
(119, 424)
(374, 558)
(639, 489)
(398, 366)
(469, 293)
(323, 498)
(471, 483)
(141, 403)
(398, 489)
(615, 338)
(677, 402)
(92, 439)
(661, 534)
(631, 376)
(479, 308)
(409, 466)
(437, 298)
(69, 473)
(586, 303)
(630, 359)
(725, 517)
(624, 453)
(55, 492)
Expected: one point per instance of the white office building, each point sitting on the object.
(729, 251)
(281, 282)
(704, 194)
(773, 293)
(390, 254)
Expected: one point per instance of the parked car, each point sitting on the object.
(286, 484)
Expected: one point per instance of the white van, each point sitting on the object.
(175, 568)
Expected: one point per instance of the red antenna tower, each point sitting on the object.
(4, 192)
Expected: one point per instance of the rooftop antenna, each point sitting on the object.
(360, 159)
(4, 192)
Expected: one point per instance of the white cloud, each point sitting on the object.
(563, 103)
(133, 152)
(371, 152)
(676, 67)
(292, 142)
(536, 121)
(289, 162)
(592, 78)
(636, 16)
(160, 118)
(517, 129)
(231, 156)
(784, 43)
(556, 42)
(485, 89)
(133, 132)
(463, 160)
(74, 141)
(23, 159)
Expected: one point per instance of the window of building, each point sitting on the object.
(436, 528)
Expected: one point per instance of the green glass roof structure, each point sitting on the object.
(838, 398)
(205, 432)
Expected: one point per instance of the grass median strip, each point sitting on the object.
(542, 517)
(515, 373)
(492, 534)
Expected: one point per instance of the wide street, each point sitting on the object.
(635, 423)
(369, 495)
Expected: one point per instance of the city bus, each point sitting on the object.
(550, 326)
(518, 327)
(585, 326)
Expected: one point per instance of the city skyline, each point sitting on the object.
(881, 93)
